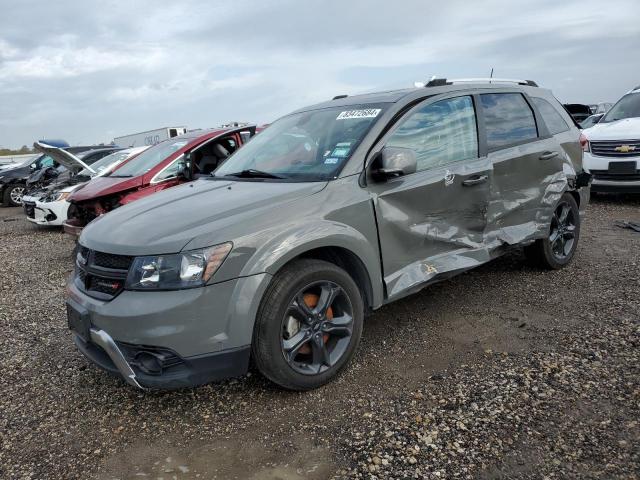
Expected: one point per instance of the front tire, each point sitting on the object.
(308, 325)
(13, 195)
(557, 249)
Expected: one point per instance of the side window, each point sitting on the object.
(555, 123)
(440, 133)
(508, 118)
(169, 172)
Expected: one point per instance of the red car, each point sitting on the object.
(169, 163)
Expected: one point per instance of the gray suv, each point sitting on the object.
(329, 213)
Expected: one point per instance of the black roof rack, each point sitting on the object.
(337, 97)
(439, 82)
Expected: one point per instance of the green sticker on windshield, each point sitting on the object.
(340, 151)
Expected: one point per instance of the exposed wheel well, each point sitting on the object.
(349, 262)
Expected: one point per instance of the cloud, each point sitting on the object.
(86, 73)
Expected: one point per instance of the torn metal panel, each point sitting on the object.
(528, 182)
(414, 276)
(433, 216)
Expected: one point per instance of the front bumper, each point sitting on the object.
(197, 335)
(45, 213)
(607, 180)
(107, 354)
(71, 229)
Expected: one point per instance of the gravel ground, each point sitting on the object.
(503, 372)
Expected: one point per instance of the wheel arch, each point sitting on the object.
(349, 262)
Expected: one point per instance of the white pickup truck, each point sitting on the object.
(612, 147)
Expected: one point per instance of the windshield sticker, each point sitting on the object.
(366, 113)
(340, 151)
(331, 161)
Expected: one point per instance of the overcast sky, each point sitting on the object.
(89, 71)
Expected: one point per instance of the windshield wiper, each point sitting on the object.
(253, 173)
(121, 176)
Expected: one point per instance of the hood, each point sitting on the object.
(10, 167)
(64, 158)
(625, 129)
(103, 186)
(168, 220)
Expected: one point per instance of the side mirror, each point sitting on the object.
(184, 169)
(393, 162)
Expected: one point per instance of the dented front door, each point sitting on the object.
(433, 221)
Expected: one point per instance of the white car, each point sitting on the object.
(612, 147)
(50, 207)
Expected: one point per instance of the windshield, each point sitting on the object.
(627, 107)
(307, 146)
(102, 164)
(149, 158)
(591, 121)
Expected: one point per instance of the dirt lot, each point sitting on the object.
(503, 372)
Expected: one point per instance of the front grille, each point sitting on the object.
(618, 177)
(616, 148)
(108, 260)
(101, 275)
(29, 209)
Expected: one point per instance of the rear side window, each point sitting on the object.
(508, 119)
(555, 123)
(440, 133)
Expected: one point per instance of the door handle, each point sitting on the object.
(548, 155)
(478, 179)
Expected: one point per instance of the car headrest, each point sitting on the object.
(220, 151)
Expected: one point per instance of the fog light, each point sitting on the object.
(149, 363)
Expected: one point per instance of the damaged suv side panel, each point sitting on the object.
(333, 210)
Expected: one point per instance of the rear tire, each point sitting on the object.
(13, 195)
(557, 249)
(308, 325)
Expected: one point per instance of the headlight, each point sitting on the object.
(173, 272)
(56, 196)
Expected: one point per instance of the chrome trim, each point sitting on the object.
(104, 340)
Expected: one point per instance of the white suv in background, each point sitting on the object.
(612, 147)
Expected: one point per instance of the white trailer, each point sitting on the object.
(150, 137)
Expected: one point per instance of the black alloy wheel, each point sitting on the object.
(317, 328)
(558, 247)
(308, 325)
(563, 228)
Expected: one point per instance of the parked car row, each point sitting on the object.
(47, 203)
(43, 169)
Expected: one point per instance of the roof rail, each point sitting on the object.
(439, 82)
(337, 97)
